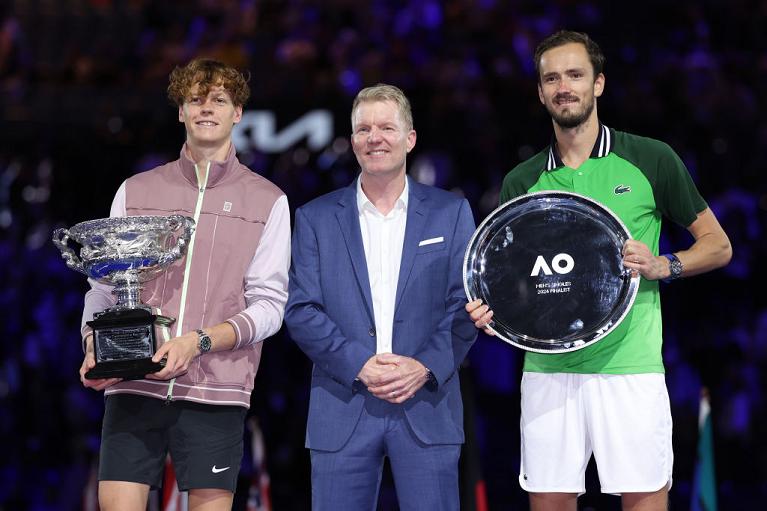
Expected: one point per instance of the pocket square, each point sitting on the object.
(431, 241)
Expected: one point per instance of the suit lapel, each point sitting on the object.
(417, 212)
(349, 222)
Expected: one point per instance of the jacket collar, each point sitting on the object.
(218, 169)
(348, 218)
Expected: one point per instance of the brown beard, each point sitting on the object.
(571, 120)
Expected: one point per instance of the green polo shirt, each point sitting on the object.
(641, 180)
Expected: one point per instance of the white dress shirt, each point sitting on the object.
(383, 237)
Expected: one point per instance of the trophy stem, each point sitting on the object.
(128, 295)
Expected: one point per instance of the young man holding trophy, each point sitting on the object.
(226, 295)
(607, 399)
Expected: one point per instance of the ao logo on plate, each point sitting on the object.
(561, 263)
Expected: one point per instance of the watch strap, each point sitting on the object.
(675, 267)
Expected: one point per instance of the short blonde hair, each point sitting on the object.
(385, 92)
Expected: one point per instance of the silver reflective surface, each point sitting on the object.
(125, 251)
(549, 265)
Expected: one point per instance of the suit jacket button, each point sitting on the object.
(372, 332)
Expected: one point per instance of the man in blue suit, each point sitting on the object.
(376, 301)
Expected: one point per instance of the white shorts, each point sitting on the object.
(624, 420)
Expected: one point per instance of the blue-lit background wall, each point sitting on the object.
(83, 106)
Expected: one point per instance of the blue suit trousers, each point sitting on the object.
(425, 476)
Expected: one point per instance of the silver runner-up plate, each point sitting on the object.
(549, 265)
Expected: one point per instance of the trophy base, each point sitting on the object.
(135, 369)
(124, 342)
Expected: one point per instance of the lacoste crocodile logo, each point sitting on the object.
(622, 189)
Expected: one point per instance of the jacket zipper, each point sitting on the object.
(202, 185)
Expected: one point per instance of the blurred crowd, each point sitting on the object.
(83, 106)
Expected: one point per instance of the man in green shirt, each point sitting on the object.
(608, 399)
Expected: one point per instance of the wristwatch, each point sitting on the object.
(431, 380)
(203, 341)
(675, 266)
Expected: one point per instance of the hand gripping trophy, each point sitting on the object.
(125, 252)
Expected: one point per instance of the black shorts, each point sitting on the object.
(204, 442)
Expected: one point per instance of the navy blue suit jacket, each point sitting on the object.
(330, 312)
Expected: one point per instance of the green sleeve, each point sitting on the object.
(674, 191)
(677, 197)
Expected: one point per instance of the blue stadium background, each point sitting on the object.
(82, 107)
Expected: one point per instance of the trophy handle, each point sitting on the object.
(182, 241)
(61, 240)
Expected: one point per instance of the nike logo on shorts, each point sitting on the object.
(218, 470)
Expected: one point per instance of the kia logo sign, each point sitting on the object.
(258, 129)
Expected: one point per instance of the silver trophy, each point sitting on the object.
(125, 252)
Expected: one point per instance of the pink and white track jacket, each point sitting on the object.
(235, 270)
